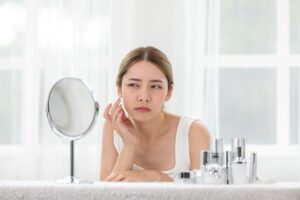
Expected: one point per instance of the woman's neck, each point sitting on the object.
(153, 128)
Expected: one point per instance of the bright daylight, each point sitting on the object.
(150, 99)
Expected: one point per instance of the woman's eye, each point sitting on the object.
(156, 86)
(133, 85)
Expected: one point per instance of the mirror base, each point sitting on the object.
(74, 180)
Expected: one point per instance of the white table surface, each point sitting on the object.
(104, 190)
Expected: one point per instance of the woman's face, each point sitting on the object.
(144, 90)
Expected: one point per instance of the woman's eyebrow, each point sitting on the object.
(156, 81)
(135, 79)
(139, 80)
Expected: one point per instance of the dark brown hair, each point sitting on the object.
(150, 54)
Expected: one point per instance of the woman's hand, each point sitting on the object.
(135, 176)
(121, 124)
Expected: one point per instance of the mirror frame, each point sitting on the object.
(52, 124)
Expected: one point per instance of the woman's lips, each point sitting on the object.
(143, 109)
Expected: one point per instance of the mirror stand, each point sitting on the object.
(72, 179)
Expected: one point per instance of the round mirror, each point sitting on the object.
(71, 111)
(71, 108)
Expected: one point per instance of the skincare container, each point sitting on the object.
(183, 177)
(228, 168)
(204, 161)
(217, 154)
(196, 176)
(219, 167)
(204, 158)
(239, 164)
(238, 142)
(214, 174)
(213, 171)
(252, 168)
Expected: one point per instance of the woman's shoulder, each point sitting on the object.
(198, 126)
(198, 132)
(195, 124)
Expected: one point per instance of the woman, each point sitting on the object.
(141, 141)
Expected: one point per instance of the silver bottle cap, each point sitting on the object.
(238, 147)
(228, 158)
(205, 157)
(217, 145)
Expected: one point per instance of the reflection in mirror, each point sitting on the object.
(71, 107)
(71, 111)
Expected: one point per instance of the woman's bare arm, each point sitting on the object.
(139, 176)
(111, 161)
(108, 154)
(199, 139)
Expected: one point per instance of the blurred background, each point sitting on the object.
(236, 67)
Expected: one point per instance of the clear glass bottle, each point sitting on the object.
(214, 171)
(239, 166)
(217, 152)
(228, 166)
(252, 168)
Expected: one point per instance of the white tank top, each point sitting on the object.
(182, 156)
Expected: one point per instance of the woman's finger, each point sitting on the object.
(106, 114)
(119, 116)
(119, 177)
(111, 176)
(126, 179)
(115, 106)
(115, 114)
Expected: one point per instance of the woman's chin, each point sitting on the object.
(142, 117)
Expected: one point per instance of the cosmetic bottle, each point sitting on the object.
(205, 158)
(204, 161)
(238, 142)
(228, 168)
(183, 177)
(217, 154)
(252, 168)
(239, 166)
(214, 172)
(196, 176)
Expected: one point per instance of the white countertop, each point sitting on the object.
(105, 190)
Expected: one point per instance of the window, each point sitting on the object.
(10, 105)
(42, 42)
(247, 103)
(12, 36)
(258, 51)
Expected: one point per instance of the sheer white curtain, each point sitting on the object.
(73, 39)
(64, 38)
(88, 39)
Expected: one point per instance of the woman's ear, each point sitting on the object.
(170, 92)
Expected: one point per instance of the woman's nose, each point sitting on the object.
(144, 96)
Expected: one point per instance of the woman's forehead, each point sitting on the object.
(145, 71)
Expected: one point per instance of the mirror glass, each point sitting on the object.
(71, 108)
